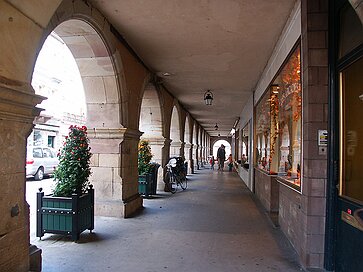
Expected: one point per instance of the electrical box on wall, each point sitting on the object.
(322, 141)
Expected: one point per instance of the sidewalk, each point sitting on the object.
(212, 226)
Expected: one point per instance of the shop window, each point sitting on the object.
(245, 145)
(278, 124)
(351, 149)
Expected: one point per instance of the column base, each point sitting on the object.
(118, 208)
(35, 259)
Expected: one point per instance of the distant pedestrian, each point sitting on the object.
(212, 162)
(221, 156)
(230, 163)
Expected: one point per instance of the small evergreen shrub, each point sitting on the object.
(74, 169)
(144, 157)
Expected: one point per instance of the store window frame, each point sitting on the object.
(281, 178)
(245, 139)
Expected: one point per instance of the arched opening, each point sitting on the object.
(151, 124)
(176, 145)
(218, 144)
(102, 105)
(188, 144)
(57, 77)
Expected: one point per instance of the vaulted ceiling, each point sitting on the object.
(217, 45)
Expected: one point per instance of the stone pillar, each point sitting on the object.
(114, 171)
(176, 149)
(188, 156)
(315, 116)
(196, 159)
(17, 112)
(165, 160)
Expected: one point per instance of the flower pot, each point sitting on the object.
(65, 215)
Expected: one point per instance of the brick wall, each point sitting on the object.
(302, 217)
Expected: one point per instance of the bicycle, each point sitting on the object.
(176, 175)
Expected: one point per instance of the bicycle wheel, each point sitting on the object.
(167, 180)
(183, 181)
(172, 183)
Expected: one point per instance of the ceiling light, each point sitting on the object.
(361, 97)
(208, 97)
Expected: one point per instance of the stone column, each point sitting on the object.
(196, 159)
(114, 171)
(188, 156)
(176, 149)
(165, 158)
(17, 112)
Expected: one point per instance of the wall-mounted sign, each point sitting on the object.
(322, 137)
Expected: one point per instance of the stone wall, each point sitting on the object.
(266, 190)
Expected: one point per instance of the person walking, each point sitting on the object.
(212, 162)
(230, 163)
(221, 157)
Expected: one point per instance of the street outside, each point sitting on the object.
(32, 187)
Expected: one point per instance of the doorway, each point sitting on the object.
(345, 176)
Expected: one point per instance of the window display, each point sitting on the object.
(245, 145)
(278, 124)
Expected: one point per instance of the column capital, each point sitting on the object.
(18, 103)
(113, 133)
(188, 145)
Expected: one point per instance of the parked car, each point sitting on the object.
(40, 161)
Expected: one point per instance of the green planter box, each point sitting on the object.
(148, 182)
(65, 215)
(145, 185)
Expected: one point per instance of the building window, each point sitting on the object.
(278, 124)
(51, 140)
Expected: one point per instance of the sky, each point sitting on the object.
(56, 76)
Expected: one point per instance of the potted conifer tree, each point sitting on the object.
(70, 209)
(147, 170)
(144, 157)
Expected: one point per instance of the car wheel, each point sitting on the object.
(39, 175)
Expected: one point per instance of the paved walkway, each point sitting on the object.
(212, 226)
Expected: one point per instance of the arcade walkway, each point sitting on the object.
(214, 225)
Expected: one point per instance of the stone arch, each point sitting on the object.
(151, 120)
(151, 125)
(97, 71)
(88, 36)
(218, 143)
(175, 133)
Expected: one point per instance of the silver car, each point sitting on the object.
(40, 161)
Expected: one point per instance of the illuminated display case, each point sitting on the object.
(278, 124)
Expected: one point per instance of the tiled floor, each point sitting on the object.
(212, 226)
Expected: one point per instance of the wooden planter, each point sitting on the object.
(65, 215)
(148, 182)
